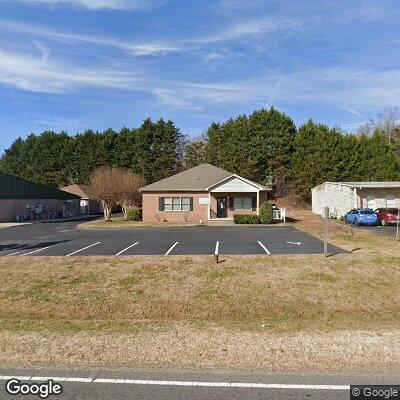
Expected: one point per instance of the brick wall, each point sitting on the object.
(151, 211)
(9, 209)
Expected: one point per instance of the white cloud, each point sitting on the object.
(138, 49)
(349, 89)
(41, 75)
(231, 32)
(254, 26)
(101, 4)
(353, 111)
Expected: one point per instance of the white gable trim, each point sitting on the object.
(255, 187)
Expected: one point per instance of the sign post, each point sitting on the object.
(326, 220)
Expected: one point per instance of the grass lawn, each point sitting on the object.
(269, 313)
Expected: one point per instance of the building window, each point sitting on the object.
(176, 203)
(242, 203)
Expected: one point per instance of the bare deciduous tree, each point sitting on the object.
(388, 123)
(389, 120)
(129, 195)
(366, 129)
(106, 182)
(113, 186)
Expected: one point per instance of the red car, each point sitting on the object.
(387, 215)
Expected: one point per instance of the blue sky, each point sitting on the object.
(79, 64)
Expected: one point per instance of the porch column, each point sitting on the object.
(209, 206)
(258, 202)
(355, 198)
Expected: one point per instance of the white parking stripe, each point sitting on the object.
(37, 251)
(183, 383)
(172, 247)
(216, 248)
(13, 254)
(265, 249)
(87, 247)
(124, 250)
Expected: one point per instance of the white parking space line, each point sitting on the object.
(216, 248)
(38, 250)
(250, 385)
(171, 248)
(124, 250)
(14, 254)
(87, 247)
(265, 249)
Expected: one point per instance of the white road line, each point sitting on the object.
(181, 383)
(265, 249)
(37, 251)
(87, 247)
(124, 250)
(216, 248)
(13, 254)
(172, 247)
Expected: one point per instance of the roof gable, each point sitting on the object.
(83, 191)
(236, 184)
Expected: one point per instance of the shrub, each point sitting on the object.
(134, 214)
(246, 219)
(266, 213)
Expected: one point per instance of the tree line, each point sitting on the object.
(265, 146)
(153, 151)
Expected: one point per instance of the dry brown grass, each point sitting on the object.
(367, 241)
(290, 294)
(121, 222)
(338, 313)
(183, 346)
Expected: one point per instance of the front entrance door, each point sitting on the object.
(222, 211)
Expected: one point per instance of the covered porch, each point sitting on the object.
(235, 196)
(225, 205)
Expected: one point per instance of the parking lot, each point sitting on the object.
(64, 239)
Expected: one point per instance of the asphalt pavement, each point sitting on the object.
(65, 239)
(152, 385)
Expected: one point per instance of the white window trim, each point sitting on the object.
(242, 204)
(180, 204)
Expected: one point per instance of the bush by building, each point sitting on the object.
(266, 213)
(246, 219)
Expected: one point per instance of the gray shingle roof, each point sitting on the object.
(194, 179)
(83, 191)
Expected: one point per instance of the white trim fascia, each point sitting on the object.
(369, 185)
(256, 185)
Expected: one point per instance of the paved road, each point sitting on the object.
(103, 385)
(63, 238)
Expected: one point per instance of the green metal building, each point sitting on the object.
(23, 200)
